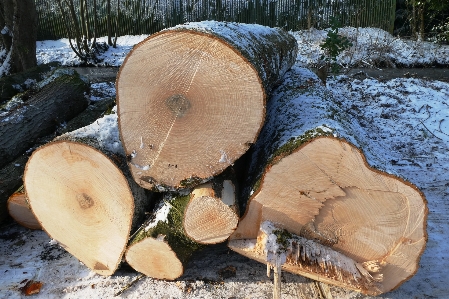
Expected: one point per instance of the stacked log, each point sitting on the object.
(191, 99)
(317, 208)
(83, 175)
(30, 117)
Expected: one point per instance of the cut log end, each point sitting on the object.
(211, 215)
(325, 192)
(209, 221)
(190, 103)
(20, 211)
(82, 200)
(154, 258)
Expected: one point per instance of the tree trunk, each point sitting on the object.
(20, 210)
(191, 99)
(161, 249)
(11, 174)
(19, 34)
(82, 193)
(329, 207)
(212, 213)
(37, 113)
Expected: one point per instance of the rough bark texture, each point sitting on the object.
(35, 114)
(20, 33)
(191, 99)
(161, 248)
(11, 174)
(20, 82)
(309, 177)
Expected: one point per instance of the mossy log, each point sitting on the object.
(191, 99)
(212, 213)
(20, 82)
(161, 248)
(11, 174)
(38, 112)
(310, 179)
(20, 210)
(80, 189)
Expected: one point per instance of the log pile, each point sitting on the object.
(191, 100)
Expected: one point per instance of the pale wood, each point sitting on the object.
(321, 188)
(191, 99)
(209, 217)
(160, 248)
(154, 258)
(20, 211)
(83, 201)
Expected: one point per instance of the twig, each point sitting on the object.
(439, 127)
(129, 285)
(429, 130)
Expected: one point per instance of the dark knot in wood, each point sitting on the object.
(85, 201)
(178, 104)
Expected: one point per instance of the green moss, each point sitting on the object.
(191, 182)
(173, 230)
(283, 237)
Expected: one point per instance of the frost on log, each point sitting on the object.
(317, 208)
(191, 99)
(80, 189)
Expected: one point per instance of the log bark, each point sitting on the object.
(212, 213)
(12, 173)
(20, 82)
(161, 249)
(332, 213)
(35, 114)
(82, 193)
(191, 99)
(20, 210)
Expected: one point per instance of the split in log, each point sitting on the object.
(82, 193)
(191, 99)
(11, 174)
(161, 249)
(212, 213)
(321, 190)
(20, 211)
(37, 112)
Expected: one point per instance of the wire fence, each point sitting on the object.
(149, 16)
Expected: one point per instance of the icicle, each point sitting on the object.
(277, 278)
(268, 270)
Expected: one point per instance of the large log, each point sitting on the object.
(38, 112)
(161, 249)
(315, 205)
(191, 99)
(11, 174)
(80, 189)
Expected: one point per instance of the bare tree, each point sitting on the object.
(18, 35)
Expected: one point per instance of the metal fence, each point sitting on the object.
(149, 16)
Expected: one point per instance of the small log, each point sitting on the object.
(11, 174)
(20, 210)
(161, 249)
(82, 193)
(308, 178)
(212, 213)
(36, 113)
(191, 99)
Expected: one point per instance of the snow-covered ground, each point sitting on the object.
(404, 121)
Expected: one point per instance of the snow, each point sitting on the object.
(406, 121)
